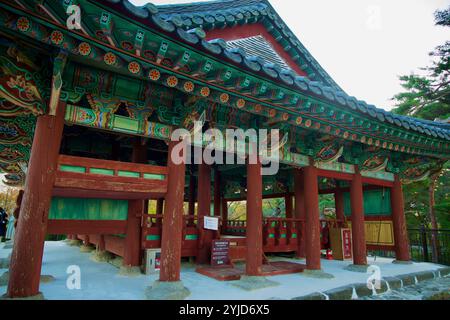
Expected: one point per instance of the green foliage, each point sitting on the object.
(428, 97)
(417, 207)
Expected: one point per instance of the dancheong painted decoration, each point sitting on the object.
(87, 115)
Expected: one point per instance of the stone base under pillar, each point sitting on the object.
(250, 283)
(362, 268)
(74, 243)
(319, 274)
(4, 262)
(101, 256)
(39, 296)
(86, 248)
(167, 291)
(8, 244)
(130, 271)
(402, 262)
(4, 278)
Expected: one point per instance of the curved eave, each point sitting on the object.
(284, 80)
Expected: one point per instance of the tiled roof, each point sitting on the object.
(238, 56)
(257, 46)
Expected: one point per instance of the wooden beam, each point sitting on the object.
(86, 227)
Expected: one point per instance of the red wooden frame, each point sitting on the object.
(91, 185)
(86, 227)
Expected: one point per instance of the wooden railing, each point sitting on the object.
(111, 168)
(108, 179)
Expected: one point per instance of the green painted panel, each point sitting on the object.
(153, 237)
(127, 87)
(105, 172)
(68, 168)
(191, 237)
(125, 124)
(130, 174)
(376, 203)
(88, 209)
(294, 236)
(271, 235)
(154, 176)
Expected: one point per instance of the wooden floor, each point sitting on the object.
(234, 273)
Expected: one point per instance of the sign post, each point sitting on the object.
(220, 253)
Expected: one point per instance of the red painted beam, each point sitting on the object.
(378, 182)
(101, 194)
(73, 180)
(334, 175)
(86, 227)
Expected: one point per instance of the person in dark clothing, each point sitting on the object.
(3, 224)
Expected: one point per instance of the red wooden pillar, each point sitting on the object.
(101, 243)
(217, 203)
(288, 205)
(159, 206)
(132, 250)
(224, 215)
(358, 228)
(299, 197)
(159, 210)
(254, 258)
(173, 220)
(339, 204)
(204, 209)
(139, 154)
(398, 218)
(312, 225)
(191, 209)
(26, 259)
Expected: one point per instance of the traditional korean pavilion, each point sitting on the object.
(87, 114)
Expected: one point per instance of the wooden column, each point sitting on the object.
(312, 225)
(204, 209)
(139, 154)
(173, 220)
(217, 202)
(288, 205)
(191, 209)
(132, 252)
(101, 243)
(254, 257)
(159, 206)
(132, 248)
(358, 228)
(402, 252)
(224, 215)
(26, 259)
(299, 197)
(339, 204)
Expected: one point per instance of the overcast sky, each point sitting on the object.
(363, 44)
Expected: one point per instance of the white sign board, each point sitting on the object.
(211, 223)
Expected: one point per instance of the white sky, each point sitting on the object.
(363, 44)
